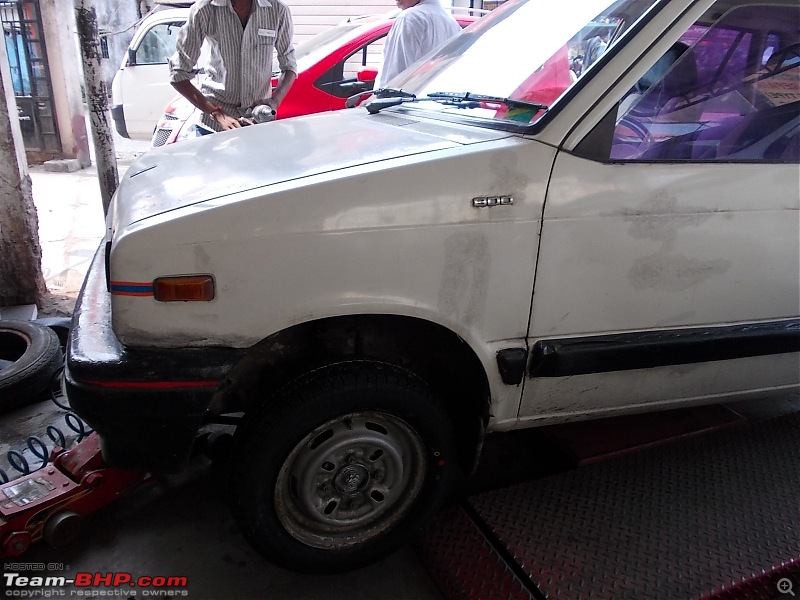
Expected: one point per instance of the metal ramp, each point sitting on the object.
(715, 515)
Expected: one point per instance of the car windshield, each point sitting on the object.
(528, 51)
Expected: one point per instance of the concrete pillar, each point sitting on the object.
(97, 94)
(66, 73)
(21, 279)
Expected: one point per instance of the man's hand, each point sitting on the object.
(225, 121)
(193, 95)
(279, 93)
(271, 102)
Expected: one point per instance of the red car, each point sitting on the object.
(331, 67)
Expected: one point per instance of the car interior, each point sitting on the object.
(728, 91)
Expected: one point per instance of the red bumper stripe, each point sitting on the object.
(131, 288)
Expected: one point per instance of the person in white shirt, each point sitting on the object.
(594, 49)
(419, 28)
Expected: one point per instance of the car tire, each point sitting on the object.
(343, 467)
(30, 355)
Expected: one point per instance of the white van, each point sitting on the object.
(140, 89)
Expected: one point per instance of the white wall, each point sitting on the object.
(312, 16)
(64, 60)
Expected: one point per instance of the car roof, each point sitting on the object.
(166, 13)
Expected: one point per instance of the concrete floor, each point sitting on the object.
(71, 222)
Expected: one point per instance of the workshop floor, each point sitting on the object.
(181, 526)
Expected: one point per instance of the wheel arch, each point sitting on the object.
(432, 352)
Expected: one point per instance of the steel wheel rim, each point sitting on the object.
(350, 480)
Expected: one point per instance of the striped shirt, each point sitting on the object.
(239, 72)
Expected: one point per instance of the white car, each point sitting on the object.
(492, 244)
(140, 88)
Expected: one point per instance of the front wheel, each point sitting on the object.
(342, 468)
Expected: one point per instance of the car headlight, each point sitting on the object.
(192, 127)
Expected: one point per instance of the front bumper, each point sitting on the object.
(118, 114)
(147, 404)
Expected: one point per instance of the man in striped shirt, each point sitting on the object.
(242, 36)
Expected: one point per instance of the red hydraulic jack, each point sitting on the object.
(51, 502)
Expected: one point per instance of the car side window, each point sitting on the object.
(341, 80)
(369, 55)
(158, 44)
(728, 92)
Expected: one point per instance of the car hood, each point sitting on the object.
(222, 164)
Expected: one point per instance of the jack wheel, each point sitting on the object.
(63, 529)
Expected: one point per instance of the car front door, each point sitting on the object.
(145, 79)
(669, 258)
(345, 77)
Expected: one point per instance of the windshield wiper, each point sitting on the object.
(470, 100)
(383, 94)
(393, 93)
(457, 99)
(378, 105)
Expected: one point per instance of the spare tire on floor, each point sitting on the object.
(29, 356)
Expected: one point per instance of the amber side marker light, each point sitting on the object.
(185, 288)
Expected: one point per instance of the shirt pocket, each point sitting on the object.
(265, 37)
(264, 43)
(261, 63)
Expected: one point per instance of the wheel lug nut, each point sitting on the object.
(378, 475)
